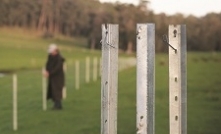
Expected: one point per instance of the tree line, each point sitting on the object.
(84, 18)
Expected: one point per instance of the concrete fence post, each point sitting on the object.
(44, 91)
(109, 79)
(145, 78)
(64, 91)
(177, 80)
(87, 70)
(95, 67)
(77, 75)
(15, 102)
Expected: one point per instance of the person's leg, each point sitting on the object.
(54, 106)
(57, 104)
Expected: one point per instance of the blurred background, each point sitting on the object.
(76, 18)
(27, 27)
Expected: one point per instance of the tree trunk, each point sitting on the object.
(57, 16)
(42, 18)
(129, 48)
(93, 43)
(50, 18)
(46, 19)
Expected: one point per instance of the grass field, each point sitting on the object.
(22, 49)
(81, 113)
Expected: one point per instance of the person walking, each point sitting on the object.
(55, 74)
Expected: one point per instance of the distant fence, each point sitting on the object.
(23, 94)
(20, 98)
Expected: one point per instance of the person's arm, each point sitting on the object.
(46, 71)
(58, 66)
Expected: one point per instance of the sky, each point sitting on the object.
(187, 7)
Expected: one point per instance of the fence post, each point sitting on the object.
(87, 71)
(109, 79)
(177, 79)
(15, 108)
(77, 75)
(64, 91)
(145, 78)
(95, 69)
(44, 91)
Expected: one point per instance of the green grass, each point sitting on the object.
(22, 49)
(81, 113)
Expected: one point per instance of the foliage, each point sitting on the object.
(84, 18)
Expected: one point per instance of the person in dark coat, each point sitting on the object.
(55, 74)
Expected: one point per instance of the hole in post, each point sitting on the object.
(105, 121)
(176, 79)
(141, 117)
(176, 118)
(176, 98)
(174, 33)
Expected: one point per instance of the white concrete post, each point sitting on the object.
(145, 79)
(87, 70)
(109, 79)
(95, 69)
(15, 108)
(77, 75)
(44, 91)
(64, 91)
(177, 80)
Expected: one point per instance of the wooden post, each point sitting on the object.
(87, 70)
(77, 75)
(15, 108)
(177, 79)
(44, 91)
(109, 79)
(95, 69)
(145, 79)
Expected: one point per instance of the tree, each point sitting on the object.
(84, 18)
